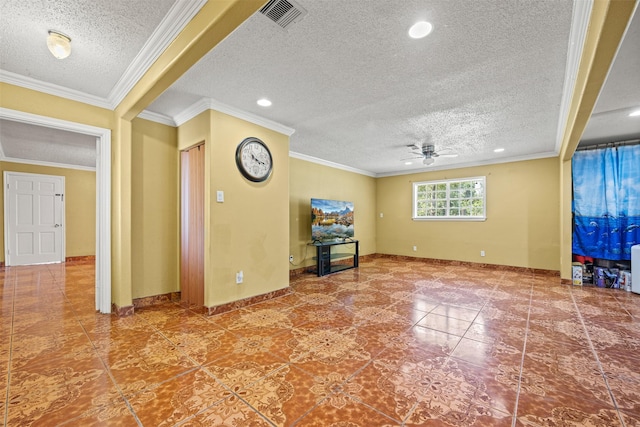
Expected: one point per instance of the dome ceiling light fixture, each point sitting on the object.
(420, 29)
(59, 44)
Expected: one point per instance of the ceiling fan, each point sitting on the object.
(427, 152)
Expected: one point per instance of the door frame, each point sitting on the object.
(103, 193)
(5, 176)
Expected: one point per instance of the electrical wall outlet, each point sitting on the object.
(481, 253)
(290, 258)
(415, 248)
(239, 277)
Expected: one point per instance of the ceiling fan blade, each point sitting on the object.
(435, 154)
(448, 155)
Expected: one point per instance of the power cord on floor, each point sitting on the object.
(306, 255)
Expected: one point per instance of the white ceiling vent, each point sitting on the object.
(283, 12)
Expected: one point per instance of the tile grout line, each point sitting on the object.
(231, 393)
(595, 355)
(363, 322)
(199, 366)
(109, 373)
(524, 352)
(102, 361)
(536, 288)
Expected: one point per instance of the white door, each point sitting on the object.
(34, 218)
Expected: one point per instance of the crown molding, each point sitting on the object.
(577, 34)
(157, 117)
(424, 169)
(330, 164)
(52, 89)
(251, 118)
(48, 164)
(513, 159)
(624, 110)
(211, 104)
(191, 111)
(51, 122)
(171, 25)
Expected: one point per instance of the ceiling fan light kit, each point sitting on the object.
(59, 45)
(428, 153)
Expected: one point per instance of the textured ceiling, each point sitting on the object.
(106, 37)
(346, 78)
(46, 145)
(357, 90)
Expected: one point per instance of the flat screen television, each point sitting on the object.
(331, 220)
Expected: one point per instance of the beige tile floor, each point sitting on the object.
(392, 343)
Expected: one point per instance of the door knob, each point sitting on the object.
(58, 225)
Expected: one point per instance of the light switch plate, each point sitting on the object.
(219, 196)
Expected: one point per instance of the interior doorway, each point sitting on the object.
(192, 225)
(103, 194)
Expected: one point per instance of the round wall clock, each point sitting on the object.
(254, 160)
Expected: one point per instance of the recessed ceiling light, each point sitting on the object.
(498, 150)
(408, 163)
(264, 102)
(420, 29)
(635, 113)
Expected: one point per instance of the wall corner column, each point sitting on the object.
(121, 283)
(608, 22)
(566, 221)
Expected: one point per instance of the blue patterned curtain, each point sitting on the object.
(606, 202)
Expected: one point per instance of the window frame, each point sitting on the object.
(447, 200)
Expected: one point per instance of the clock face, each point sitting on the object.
(254, 160)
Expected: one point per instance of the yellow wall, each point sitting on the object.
(80, 206)
(522, 227)
(155, 209)
(250, 230)
(34, 102)
(528, 236)
(195, 131)
(154, 158)
(313, 180)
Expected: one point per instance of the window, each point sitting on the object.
(458, 199)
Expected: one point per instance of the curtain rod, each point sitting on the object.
(609, 145)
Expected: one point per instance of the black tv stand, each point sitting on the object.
(328, 255)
